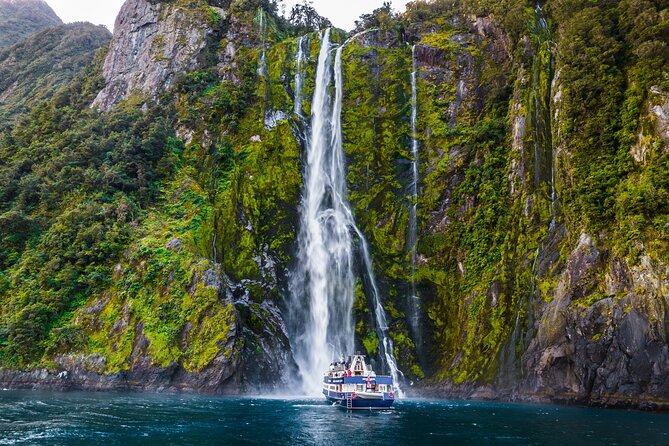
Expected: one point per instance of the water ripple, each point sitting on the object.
(42, 418)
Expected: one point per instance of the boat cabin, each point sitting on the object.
(355, 375)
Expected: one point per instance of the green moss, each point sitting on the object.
(371, 343)
(589, 300)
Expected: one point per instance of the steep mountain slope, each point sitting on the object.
(34, 68)
(20, 18)
(152, 245)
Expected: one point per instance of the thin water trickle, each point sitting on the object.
(544, 160)
(262, 65)
(387, 349)
(414, 299)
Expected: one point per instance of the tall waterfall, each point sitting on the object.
(324, 277)
(323, 282)
(412, 237)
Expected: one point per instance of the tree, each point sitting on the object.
(305, 18)
(383, 17)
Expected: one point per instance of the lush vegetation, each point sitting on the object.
(73, 183)
(112, 226)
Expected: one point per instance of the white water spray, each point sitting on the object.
(325, 257)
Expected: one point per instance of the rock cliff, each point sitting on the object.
(153, 42)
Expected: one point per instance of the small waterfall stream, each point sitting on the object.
(540, 116)
(323, 283)
(412, 236)
(300, 58)
(262, 65)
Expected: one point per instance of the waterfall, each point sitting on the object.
(412, 238)
(300, 58)
(262, 65)
(547, 39)
(325, 256)
(323, 282)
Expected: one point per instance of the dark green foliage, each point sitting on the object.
(383, 17)
(73, 181)
(305, 19)
(508, 13)
(611, 54)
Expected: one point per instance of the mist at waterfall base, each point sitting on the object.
(41, 418)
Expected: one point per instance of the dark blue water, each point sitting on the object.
(129, 419)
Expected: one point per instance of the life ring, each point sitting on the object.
(391, 395)
(353, 395)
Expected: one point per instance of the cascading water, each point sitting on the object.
(544, 162)
(323, 282)
(547, 40)
(412, 238)
(387, 348)
(324, 277)
(300, 58)
(262, 65)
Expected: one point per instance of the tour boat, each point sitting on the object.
(354, 385)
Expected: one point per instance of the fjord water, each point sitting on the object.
(129, 419)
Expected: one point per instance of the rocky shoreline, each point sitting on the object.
(516, 395)
(169, 380)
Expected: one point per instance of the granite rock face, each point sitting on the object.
(612, 351)
(153, 42)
